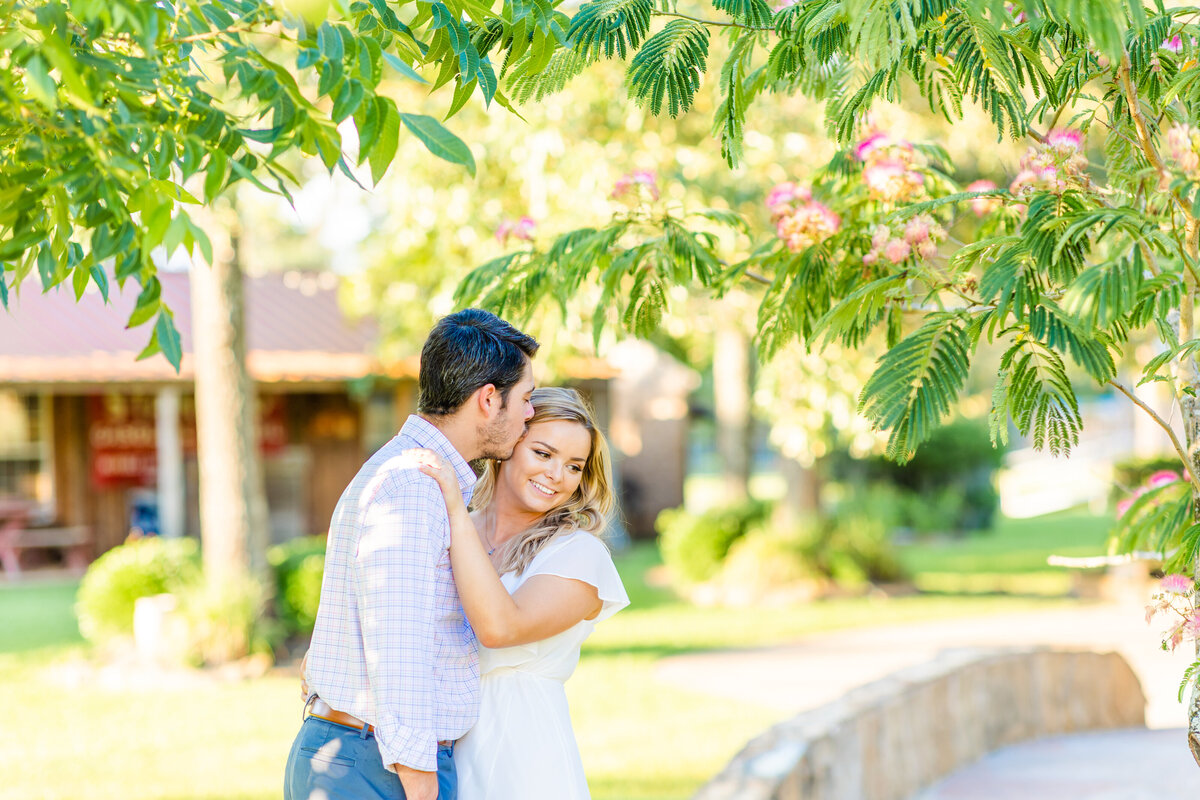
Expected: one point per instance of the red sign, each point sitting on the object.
(122, 437)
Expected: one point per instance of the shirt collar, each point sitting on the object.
(428, 436)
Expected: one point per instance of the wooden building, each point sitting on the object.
(95, 438)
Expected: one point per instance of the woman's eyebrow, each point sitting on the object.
(555, 451)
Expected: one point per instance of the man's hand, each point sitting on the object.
(417, 785)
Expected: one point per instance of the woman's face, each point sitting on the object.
(547, 465)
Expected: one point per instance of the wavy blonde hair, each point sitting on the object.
(588, 509)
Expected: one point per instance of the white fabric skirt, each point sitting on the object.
(522, 747)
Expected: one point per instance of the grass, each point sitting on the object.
(1011, 558)
(641, 739)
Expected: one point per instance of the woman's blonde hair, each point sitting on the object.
(588, 509)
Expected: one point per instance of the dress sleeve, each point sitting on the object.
(585, 558)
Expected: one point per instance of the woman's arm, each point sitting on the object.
(543, 606)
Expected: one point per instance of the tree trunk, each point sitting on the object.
(803, 496)
(732, 380)
(233, 507)
(1188, 385)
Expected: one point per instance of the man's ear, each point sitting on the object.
(488, 400)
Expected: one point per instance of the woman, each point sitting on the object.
(534, 579)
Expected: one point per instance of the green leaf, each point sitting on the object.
(389, 136)
(917, 382)
(754, 13)
(79, 282)
(40, 84)
(404, 69)
(148, 303)
(168, 339)
(348, 100)
(669, 66)
(101, 279)
(609, 27)
(440, 141)
(3, 288)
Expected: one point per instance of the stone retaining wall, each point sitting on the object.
(889, 739)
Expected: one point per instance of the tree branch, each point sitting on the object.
(1139, 121)
(711, 23)
(1162, 423)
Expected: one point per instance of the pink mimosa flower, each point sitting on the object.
(897, 250)
(1065, 140)
(982, 206)
(926, 249)
(633, 187)
(868, 144)
(1176, 584)
(917, 230)
(1162, 478)
(1174, 44)
(1023, 182)
(1123, 506)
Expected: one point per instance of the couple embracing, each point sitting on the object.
(434, 577)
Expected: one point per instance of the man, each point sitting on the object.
(393, 670)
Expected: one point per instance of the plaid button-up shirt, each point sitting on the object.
(391, 644)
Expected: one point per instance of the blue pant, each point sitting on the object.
(333, 762)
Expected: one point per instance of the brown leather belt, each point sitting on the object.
(321, 710)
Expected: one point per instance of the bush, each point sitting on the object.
(947, 486)
(141, 568)
(298, 566)
(225, 621)
(694, 545)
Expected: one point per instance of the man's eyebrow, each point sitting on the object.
(555, 451)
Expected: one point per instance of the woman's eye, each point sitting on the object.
(541, 454)
(576, 468)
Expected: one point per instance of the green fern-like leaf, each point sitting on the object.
(755, 13)
(526, 85)
(1088, 348)
(669, 66)
(984, 65)
(730, 120)
(800, 294)
(609, 27)
(1034, 390)
(1104, 293)
(917, 382)
(852, 319)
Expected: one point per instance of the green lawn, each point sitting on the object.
(80, 738)
(1011, 558)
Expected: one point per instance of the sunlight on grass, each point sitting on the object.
(641, 739)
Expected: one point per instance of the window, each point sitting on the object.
(25, 468)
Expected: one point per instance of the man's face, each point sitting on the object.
(500, 436)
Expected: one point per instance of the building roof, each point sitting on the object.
(295, 333)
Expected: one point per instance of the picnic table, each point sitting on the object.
(17, 534)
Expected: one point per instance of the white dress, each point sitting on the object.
(522, 747)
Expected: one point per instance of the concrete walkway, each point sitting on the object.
(1151, 762)
(1140, 764)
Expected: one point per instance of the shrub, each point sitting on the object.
(947, 486)
(298, 566)
(141, 568)
(225, 620)
(694, 545)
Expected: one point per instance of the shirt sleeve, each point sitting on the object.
(585, 558)
(398, 552)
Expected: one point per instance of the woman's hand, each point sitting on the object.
(440, 470)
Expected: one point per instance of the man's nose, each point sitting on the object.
(528, 410)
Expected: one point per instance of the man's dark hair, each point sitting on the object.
(466, 350)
